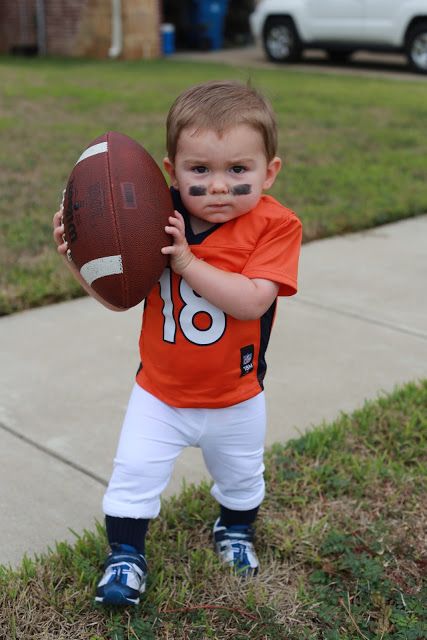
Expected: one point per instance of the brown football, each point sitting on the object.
(116, 206)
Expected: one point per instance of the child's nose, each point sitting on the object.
(218, 185)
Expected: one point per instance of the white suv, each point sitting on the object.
(286, 27)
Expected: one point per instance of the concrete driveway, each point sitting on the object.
(361, 64)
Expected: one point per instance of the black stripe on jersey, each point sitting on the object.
(266, 324)
(140, 366)
(191, 237)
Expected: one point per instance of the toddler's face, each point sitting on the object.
(221, 178)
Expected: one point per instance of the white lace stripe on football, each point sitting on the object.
(100, 267)
(101, 147)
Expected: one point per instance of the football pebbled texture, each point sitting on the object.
(116, 206)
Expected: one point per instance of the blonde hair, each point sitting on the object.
(219, 106)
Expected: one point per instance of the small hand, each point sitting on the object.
(179, 252)
(58, 232)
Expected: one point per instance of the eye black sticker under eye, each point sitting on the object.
(241, 190)
(196, 190)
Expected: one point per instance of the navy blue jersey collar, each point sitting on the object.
(191, 237)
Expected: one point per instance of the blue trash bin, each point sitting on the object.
(167, 32)
(207, 23)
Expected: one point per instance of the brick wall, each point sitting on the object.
(82, 27)
(18, 25)
(63, 22)
(141, 29)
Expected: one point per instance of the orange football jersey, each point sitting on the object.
(192, 353)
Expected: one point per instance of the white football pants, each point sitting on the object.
(154, 434)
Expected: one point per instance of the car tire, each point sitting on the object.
(280, 40)
(416, 48)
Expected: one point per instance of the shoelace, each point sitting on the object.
(240, 554)
(120, 573)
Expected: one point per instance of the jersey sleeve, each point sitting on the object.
(277, 253)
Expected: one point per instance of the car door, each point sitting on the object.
(383, 20)
(335, 20)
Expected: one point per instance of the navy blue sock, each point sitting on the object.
(230, 517)
(131, 531)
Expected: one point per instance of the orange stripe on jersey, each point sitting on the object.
(192, 353)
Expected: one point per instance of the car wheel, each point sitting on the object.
(280, 40)
(416, 48)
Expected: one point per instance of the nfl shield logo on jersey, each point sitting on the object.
(246, 359)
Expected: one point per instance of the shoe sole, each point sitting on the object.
(117, 601)
(117, 598)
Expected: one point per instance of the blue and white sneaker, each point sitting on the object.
(125, 576)
(234, 546)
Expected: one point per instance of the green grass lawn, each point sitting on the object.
(341, 538)
(354, 149)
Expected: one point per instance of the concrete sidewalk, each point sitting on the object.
(356, 329)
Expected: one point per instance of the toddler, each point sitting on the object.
(206, 327)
